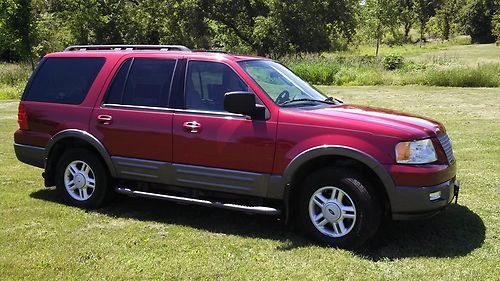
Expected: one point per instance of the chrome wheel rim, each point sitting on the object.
(332, 211)
(79, 180)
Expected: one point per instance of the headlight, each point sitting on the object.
(416, 152)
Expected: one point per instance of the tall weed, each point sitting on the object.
(13, 78)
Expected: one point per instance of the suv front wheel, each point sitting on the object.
(82, 179)
(339, 207)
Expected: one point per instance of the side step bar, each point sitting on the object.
(247, 209)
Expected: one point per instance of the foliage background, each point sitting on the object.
(31, 28)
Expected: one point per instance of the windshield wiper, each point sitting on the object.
(332, 99)
(327, 101)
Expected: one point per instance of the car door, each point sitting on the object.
(133, 121)
(214, 149)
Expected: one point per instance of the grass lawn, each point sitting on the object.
(42, 239)
(469, 55)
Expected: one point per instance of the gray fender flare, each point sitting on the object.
(344, 151)
(88, 138)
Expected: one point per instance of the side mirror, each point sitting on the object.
(243, 103)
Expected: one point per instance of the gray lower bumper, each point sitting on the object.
(415, 202)
(32, 155)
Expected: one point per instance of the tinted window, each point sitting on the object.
(147, 84)
(206, 84)
(116, 90)
(64, 80)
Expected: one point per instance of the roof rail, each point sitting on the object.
(212, 51)
(128, 47)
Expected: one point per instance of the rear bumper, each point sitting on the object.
(32, 155)
(416, 203)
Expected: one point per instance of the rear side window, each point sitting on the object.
(116, 91)
(142, 82)
(64, 80)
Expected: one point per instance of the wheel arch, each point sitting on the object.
(321, 156)
(72, 138)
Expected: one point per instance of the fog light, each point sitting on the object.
(435, 196)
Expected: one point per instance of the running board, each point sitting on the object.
(247, 209)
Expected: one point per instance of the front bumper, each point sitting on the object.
(416, 203)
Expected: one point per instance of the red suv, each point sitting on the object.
(229, 131)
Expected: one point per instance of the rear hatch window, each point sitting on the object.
(63, 80)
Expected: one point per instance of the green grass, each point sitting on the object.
(410, 49)
(435, 64)
(467, 55)
(42, 239)
(13, 78)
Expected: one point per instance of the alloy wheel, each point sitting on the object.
(332, 211)
(79, 180)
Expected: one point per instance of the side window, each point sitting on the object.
(142, 82)
(206, 84)
(64, 80)
(116, 90)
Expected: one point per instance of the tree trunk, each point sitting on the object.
(379, 34)
(407, 29)
(378, 44)
(422, 26)
(446, 31)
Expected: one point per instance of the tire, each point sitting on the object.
(348, 224)
(82, 179)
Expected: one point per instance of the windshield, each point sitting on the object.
(281, 84)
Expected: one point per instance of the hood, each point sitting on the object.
(377, 121)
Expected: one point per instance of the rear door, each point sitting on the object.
(134, 122)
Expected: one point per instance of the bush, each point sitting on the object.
(352, 72)
(12, 74)
(345, 76)
(393, 62)
(317, 73)
(390, 70)
(371, 77)
(13, 78)
(485, 75)
(461, 40)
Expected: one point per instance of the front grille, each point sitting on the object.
(446, 144)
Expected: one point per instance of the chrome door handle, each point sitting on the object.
(104, 119)
(192, 127)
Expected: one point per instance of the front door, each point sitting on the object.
(215, 149)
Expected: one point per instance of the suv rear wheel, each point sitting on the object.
(338, 207)
(82, 179)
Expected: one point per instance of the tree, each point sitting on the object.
(496, 26)
(380, 15)
(278, 27)
(447, 13)
(18, 31)
(425, 9)
(238, 17)
(406, 15)
(476, 18)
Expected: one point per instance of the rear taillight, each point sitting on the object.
(22, 117)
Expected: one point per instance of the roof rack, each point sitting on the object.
(212, 51)
(128, 47)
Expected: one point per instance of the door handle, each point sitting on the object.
(192, 127)
(104, 119)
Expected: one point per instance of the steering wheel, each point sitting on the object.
(283, 97)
